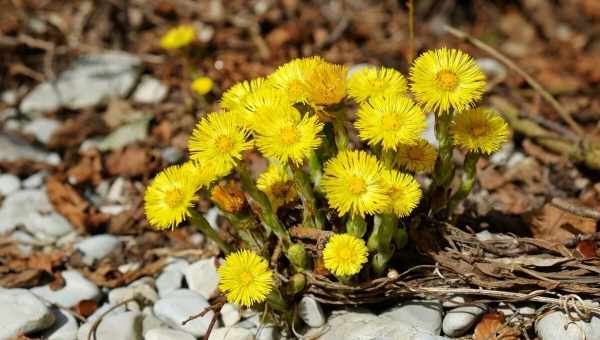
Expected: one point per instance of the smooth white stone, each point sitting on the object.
(169, 281)
(98, 246)
(35, 181)
(426, 315)
(167, 334)
(311, 312)
(143, 291)
(42, 128)
(231, 333)
(202, 277)
(557, 325)
(150, 91)
(22, 313)
(460, 320)
(178, 306)
(230, 314)
(9, 184)
(123, 326)
(64, 328)
(76, 288)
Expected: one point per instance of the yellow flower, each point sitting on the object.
(419, 157)
(352, 183)
(264, 102)
(218, 140)
(245, 278)
(479, 130)
(178, 37)
(168, 198)
(345, 254)
(201, 174)
(390, 121)
(290, 78)
(202, 85)
(371, 82)
(446, 78)
(404, 192)
(277, 185)
(286, 136)
(235, 98)
(326, 83)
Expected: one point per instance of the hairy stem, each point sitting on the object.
(356, 226)
(468, 180)
(202, 224)
(312, 215)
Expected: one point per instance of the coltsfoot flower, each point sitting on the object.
(169, 197)
(178, 37)
(219, 140)
(446, 79)
(287, 136)
(370, 82)
(264, 102)
(235, 97)
(290, 78)
(245, 278)
(479, 130)
(277, 185)
(202, 85)
(404, 192)
(390, 121)
(345, 254)
(326, 83)
(419, 157)
(352, 183)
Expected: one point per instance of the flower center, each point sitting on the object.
(389, 122)
(289, 135)
(224, 144)
(447, 80)
(246, 278)
(414, 154)
(479, 130)
(345, 253)
(174, 197)
(357, 185)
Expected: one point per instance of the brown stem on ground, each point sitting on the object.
(309, 233)
(576, 209)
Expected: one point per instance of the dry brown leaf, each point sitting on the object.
(67, 201)
(88, 169)
(76, 130)
(132, 161)
(86, 308)
(554, 224)
(491, 327)
(23, 279)
(511, 199)
(587, 249)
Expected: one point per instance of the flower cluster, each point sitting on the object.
(344, 153)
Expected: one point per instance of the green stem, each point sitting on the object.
(383, 235)
(341, 135)
(312, 216)
(316, 169)
(265, 212)
(387, 158)
(443, 172)
(356, 226)
(202, 224)
(244, 224)
(468, 180)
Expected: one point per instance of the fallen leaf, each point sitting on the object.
(587, 249)
(491, 327)
(88, 169)
(67, 201)
(132, 161)
(76, 130)
(23, 279)
(86, 308)
(554, 224)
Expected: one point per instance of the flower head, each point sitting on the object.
(277, 185)
(370, 82)
(202, 85)
(446, 78)
(290, 78)
(404, 192)
(390, 121)
(419, 157)
(479, 130)
(326, 83)
(235, 97)
(219, 140)
(265, 103)
(169, 197)
(201, 174)
(287, 136)
(352, 183)
(245, 278)
(178, 37)
(345, 254)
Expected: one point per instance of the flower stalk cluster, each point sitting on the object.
(346, 155)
